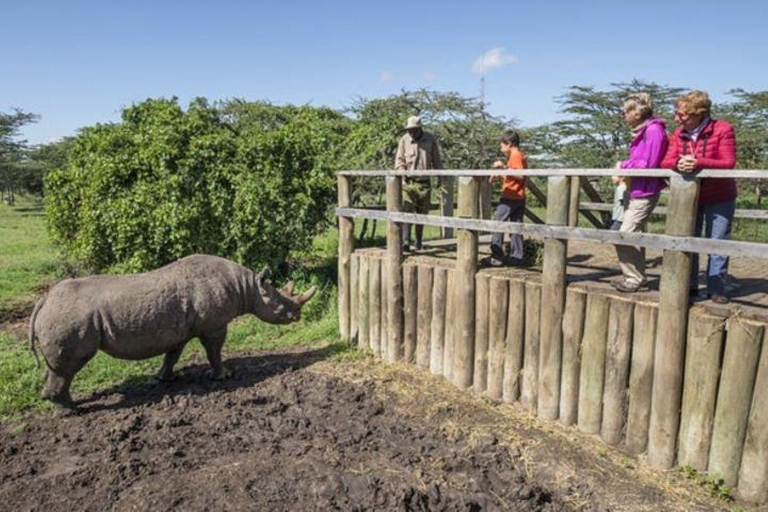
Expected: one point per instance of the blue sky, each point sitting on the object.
(77, 63)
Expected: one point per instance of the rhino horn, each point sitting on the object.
(287, 290)
(304, 297)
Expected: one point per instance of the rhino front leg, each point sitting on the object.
(213, 343)
(166, 371)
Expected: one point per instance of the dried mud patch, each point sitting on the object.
(289, 432)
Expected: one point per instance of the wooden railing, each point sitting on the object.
(677, 243)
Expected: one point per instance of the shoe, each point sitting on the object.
(625, 286)
(419, 246)
(513, 262)
(406, 248)
(719, 299)
(490, 261)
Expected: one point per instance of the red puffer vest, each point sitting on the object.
(715, 148)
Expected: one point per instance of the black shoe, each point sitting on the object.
(625, 286)
(419, 246)
(719, 299)
(406, 247)
(513, 262)
(490, 261)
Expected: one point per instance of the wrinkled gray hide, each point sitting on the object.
(145, 315)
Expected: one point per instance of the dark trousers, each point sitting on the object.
(715, 220)
(508, 210)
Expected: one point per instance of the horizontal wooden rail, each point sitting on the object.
(661, 210)
(654, 241)
(589, 173)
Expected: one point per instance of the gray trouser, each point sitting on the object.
(508, 210)
(632, 258)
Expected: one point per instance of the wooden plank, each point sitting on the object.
(702, 371)
(661, 210)
(617, 352)
(450, 325)
(515, 341)
(753, 476)
(354, 299)
(466, 268)
(375, 305)
(737, 382)
(346, 247)
(530, 381)
(641, 377)
(410, 284)
(573, 331)
(649, 240)
(384, 331)
(671, 329)
(553, 302)
(394, 273)
(480, 373)
(446, 202)
(437, 330)
(364, 338)
(573, 202)
(536, 191)
(587, 173)
(592, 377)
(532, 216)
(497, 324)
(424, 317)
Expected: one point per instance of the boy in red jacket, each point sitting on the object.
(701, 142)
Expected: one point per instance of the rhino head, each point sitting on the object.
(278, 306)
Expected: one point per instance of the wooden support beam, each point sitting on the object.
(437, 329)
(375, 305)
(553, 301)
(346, 247)
(573, 202)
(672, 324)
(466, 268)
(536, 191)
(394, 273)
(446, 202)
(497, 323)
(515, 341)
(592, 379)
(529, 389)
(424, 317)
(594, 196)
(753, 476)
(410, 285)
(480, 373)
(354, 299)
(617, 351)
(573, 331)
(450, 325)
(641, 377)
(364, 337)
(532, 216)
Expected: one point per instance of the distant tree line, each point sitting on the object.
(254, 181)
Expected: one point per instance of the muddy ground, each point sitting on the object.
(292, 432)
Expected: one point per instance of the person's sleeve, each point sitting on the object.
(400, 157)
(653, 151)
(437, 160)
(726, 157)
(672, 154)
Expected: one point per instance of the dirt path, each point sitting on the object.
(289, 433)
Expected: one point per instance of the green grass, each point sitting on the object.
(27, 258)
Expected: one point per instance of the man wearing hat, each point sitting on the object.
(417, 151)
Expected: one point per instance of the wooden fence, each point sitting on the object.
(675, 382)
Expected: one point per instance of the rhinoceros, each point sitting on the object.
(145, 315)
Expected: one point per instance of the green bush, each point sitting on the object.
(247, 181)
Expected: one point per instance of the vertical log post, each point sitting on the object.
(424, 317)
(672, 324)
(480, 374)
(394, 272)
(737, 382)
(466, 268)
(573, 330)
(497, 323)
(375, 304)
(529, 389)
(617, 352)
(346, 247)
(446, 202)
(364, 338)
(553, 300)
(354, 300)
(641, 377)
(592, 377)
(702, 370)
(573, 202)
(753, 477)
(515, 341)
(410, 284)
(437, 329)
(450, 324)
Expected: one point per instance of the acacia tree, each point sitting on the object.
(12, 151)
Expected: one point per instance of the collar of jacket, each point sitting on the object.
(706, 129)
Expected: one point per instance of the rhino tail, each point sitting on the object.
(32, 335)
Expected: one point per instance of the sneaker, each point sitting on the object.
(719, 299)
(490, 261)
(625, 286)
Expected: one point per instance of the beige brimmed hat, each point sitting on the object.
(413, 122)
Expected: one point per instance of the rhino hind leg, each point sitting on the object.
(166, 371)
(213, 344)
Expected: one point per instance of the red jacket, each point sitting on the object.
(715, 148)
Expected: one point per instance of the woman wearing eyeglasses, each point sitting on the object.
(645, 152)
(700, 142)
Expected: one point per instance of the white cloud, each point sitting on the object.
(492, 59)
(386, 76)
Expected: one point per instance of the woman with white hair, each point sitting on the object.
(646, 151)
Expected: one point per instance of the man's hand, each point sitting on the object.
(687, 163)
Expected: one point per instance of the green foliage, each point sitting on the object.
(712, 483)
(241, 180)
(12, 172)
